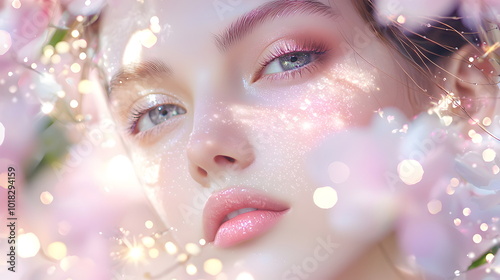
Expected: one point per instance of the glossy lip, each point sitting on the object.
(223, 202)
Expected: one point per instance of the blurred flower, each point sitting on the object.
(414, 15)
(26, 23)
(84, 7)
(403, 175)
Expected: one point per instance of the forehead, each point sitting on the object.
(135, 29)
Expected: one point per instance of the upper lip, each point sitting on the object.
(223, 202)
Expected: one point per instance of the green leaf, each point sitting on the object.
(58, 37)
(482, 259)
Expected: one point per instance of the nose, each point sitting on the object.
(217, 145)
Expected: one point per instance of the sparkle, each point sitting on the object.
(28, 245)
(182, 258)
(489, 155)
(63, 228)
(73, 103)
(487, 121)
(434, 206)
(495, 169)
(75, 67)
(477, 238)
(56, 250)
(82, 56)
(212, 266)
(484, 227)
(410, 171)
(339, 172)
(401, 19)
(135, 253)
(192, 249)
(46, 198)
(85, 86)
(477, 138)
(447, 120)
(245, 276)
(80, 43)
(16, 4)
(153, 253)
(450, 190)
(325, 197)
(171, 248)
(457, 222)
(148, 241)
(55, 59)
(48, 50)
(62, 47)
(155, 24)
(191, 269)
(68, 262)
(47, 108)
(466, 212)
(6, 42)
(454, 182)
(490, 49)
(75, 33)
(148, 224)
(202, 242)
(489, 257)
(147, 38)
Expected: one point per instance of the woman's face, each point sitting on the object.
(220, 103)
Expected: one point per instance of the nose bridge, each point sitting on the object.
(218, 143)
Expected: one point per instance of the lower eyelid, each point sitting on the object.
(152, 135)
(142, 106)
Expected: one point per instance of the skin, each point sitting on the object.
(244, 129)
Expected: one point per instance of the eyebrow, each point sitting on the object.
(270, 11)
(235, 32)
(136, 71)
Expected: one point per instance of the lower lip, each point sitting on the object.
(245, 227)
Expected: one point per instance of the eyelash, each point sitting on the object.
(141, 109)
(289, 47)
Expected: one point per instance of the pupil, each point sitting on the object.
(163, 111)
(295, 60)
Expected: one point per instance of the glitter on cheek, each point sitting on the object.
(147, 168)
(315, 109)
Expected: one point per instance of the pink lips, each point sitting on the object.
(234, 215)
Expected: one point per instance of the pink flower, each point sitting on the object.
(408, 172)
(414, 15)
(84, 7)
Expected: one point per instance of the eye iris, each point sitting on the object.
(295, 60)
(165, 112)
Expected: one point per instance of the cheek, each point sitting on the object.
(306, 113)
(163, 171)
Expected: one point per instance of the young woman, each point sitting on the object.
(223, 103)
(311, 139)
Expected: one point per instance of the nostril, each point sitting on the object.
(202, 171)
(223, 160)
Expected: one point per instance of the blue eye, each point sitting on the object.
(158, 115)
(289, 62)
